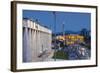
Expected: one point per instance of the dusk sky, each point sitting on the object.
(72, 21)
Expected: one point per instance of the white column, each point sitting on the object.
(29, 45)
(41, 42)
(39, 46)
(36, 42)
(45, 40)
(33, 46)
(25, 46)
(35, 49)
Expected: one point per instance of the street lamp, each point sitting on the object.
(54, 14)
(63, 31)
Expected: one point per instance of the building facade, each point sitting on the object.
(36, 41)
(71, 38)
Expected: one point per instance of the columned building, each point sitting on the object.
(36, 42)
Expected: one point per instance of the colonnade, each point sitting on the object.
(36, 40)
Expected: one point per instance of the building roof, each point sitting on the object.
(36, 21)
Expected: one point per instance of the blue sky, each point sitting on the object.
(72, 21)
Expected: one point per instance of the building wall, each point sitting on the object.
(36, 41)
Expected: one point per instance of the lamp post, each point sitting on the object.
(54, 14)
(64, 35)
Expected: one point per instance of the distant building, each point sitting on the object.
(36, 41)
(85, 33)
(71, 38)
